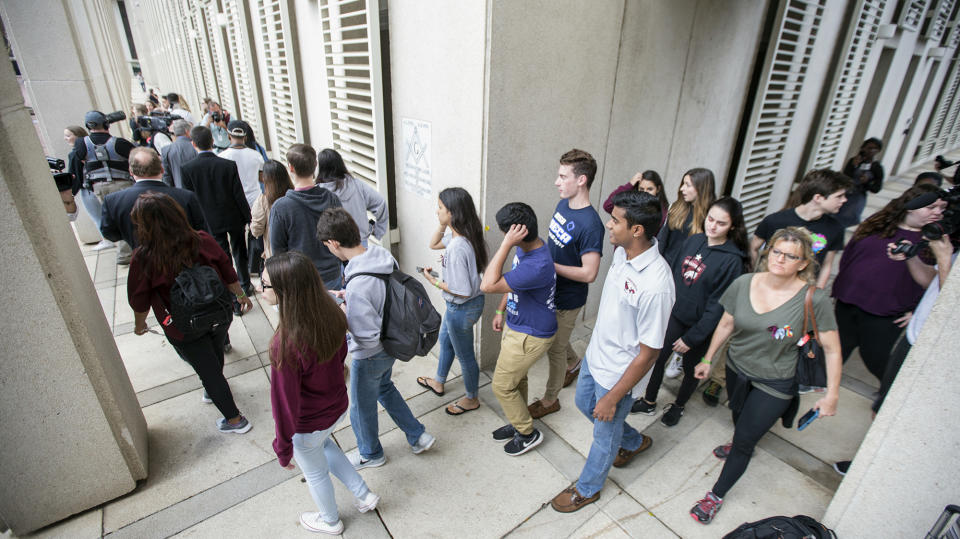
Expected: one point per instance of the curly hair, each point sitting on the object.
(884, 223)
(793, 234)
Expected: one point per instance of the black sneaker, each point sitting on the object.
(842, 467)
(520, 444)
(643, 407)
(504, 433)
(672, 416)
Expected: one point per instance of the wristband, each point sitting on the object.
(704, 361)
(241, 295)
(436, 283)
(498, 312)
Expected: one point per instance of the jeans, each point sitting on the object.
(318, 456)
(238, 245)
(370, 382)
(92, 204)
(456, 338)
(608, 436)
(205, 355)
(561, 355)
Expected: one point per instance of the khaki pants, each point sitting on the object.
(561, 354)
(518, 351)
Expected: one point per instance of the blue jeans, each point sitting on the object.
(334, 284)
(608, 436)
(456, 338)
(370, 382)
(92, 204)
(318, 456)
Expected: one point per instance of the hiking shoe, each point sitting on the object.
(570, 500)
(842, 467)
(624, 456)
(313, 522)
(205, 398)
(706, 508)
(538, 410)
(643, 407)
(504, 433)
(672, 416)
(424, 443)
(711, 393)
(674, 367)
(571, 376)
(240, 428)
(367, 503)
(723, 451)
(360, 463)
(520, 444)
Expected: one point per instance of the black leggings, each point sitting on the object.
(875, 335)
(897, 357)
(205, 355)
(237, 244)
(760, 411)
(675, 330)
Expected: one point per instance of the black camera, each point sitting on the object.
(155, 122)
(64, 180)
(116, 116)
(943, 163)
(217, 117)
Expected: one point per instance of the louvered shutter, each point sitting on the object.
(282, 91)
(218, 56)
(241, 62)
(939, 20)
(911, 14)
(205, 51)
(938, 131)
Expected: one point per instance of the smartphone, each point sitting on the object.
(807, 418)
(433, 274)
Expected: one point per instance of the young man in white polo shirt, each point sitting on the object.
(637, 298)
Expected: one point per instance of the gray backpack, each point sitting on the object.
(411, 325)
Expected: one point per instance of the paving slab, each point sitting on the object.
(831, 438)
(635, 519)
(151, 360)
(600, 526)
(86, 525)
(549, 523)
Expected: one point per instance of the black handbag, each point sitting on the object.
(811, 364)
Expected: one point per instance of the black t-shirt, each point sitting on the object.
(826, 232)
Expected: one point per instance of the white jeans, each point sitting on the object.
(318, 456)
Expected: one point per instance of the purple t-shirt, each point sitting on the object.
(530, 306)
(874, 283)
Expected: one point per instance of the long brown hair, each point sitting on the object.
(167, 242)
(309, 317)
(702, 180)
(276, 181)
(884, 223)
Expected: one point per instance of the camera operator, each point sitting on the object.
(99, 161)
(136, 111)
(867, 175)
(176, 109)
(64, 181)
(216, 119)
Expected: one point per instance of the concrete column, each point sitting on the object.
(73, 432)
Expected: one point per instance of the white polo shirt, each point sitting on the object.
(638, 295)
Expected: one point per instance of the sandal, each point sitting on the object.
(422, 381)
(461, 409)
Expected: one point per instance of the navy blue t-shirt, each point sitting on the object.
(530, 307)
(573, 233)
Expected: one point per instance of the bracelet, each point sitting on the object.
(241, 295)
(437, 283)
(704, 361)
(498, 312)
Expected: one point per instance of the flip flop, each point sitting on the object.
(458, 407)
(423, 383)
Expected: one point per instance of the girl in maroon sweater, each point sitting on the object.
(307, 388)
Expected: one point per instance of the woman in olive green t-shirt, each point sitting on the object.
(763, 317)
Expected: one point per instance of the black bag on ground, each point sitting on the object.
(811, 364)
(411, 325)
(199, 301)
(781, 527)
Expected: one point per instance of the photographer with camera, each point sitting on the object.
(64, 181)
(217, 120)
(867, 175)
(177, 109)
(99, 161)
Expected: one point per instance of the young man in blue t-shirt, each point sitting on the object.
(528, 290)
(576, 241)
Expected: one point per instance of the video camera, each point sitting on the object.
(949, 224)
(156, 121)
(943, 162)
(64, 180)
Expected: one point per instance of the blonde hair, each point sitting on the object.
(793, 234)
(702, 180)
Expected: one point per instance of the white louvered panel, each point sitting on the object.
(189, 91)
(775, 105)
(828, 153)
(282, 84)
(934, 139)
(217, 51)
(351, 49)
(911, 15)
(940, 18)
(248, 104)
(190, 33)
(204, 51)
(954, 38)
(951, 125)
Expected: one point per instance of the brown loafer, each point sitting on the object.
(538, 410)
(624, 457)
(571, 376)
(570, 500)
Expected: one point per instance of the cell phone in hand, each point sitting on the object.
(433, 274)
(807, 418)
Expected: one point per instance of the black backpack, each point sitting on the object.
(411, 325)
(199, 301)
(780, 527)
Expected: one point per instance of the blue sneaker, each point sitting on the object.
(240, 428)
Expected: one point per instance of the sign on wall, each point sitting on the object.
(417, 174)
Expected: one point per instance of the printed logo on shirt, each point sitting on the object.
(692, 268)
(819, 242)
(780, 333)
(558, 235)
(629, 287)
(512, 296)
(443, 259)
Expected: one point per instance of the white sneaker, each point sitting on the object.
(367, 503)
(674, 366)
(313, 522)
(360, 463)
(104, 244)
(424, 443)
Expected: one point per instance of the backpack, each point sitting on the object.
(780, 527)
(199, 301)
(411, 325)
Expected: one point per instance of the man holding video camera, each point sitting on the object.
(99, 167)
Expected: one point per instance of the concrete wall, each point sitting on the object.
(910, 458)
(73, 433)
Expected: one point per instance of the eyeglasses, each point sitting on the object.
(788, 256)
(265, 286)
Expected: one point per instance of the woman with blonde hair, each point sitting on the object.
(687, 214)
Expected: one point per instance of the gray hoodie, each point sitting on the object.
(293, 227)
(364, 300)
(357, 198)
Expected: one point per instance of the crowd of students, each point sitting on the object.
(684, 282)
